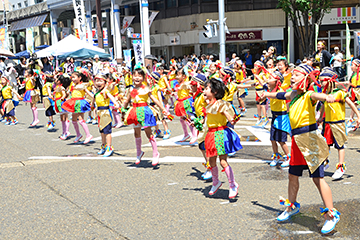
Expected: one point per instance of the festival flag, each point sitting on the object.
(316, 35)
(127, 20)
(138, 51)
(79, 10)
(127, 58)
(152, 17)
(348, 38)
(357, 42)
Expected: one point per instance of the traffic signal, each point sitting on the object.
(208, 31)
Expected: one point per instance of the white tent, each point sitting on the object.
(67, 45)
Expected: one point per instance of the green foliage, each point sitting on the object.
(304, 14)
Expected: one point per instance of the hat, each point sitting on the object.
(259, 63)
(327, 73)
(356, 62)
(304, 68)
(229, 71)
(68, 58)
(211, 56)
(101, 76)
(336, 48)
(276, 74)
(9, 65)
(200, 78)
(155, 75)
(96, 56)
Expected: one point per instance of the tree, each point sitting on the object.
(305, 15)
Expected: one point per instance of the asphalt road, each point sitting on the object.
(53, 189)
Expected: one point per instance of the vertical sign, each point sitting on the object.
(152, 17)
(347, 50)
(356, 43)
(30, 39)
(127, 58)
(3, 37)
(138, 51)
(80, 17)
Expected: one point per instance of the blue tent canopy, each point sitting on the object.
(85, 53)
(42, 47)
(18, 55)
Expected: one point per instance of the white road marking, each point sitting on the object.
(167, 159)
(116, 134)
(174, 183)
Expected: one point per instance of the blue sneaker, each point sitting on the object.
(286, 159)
(285, 215)
(157, 133)
(259, 122)
(167, 134)
(109, 151)
(13, 123)
(275, 159)
(7, 122)
(51, 125)
(329, 225)
(89, 119)
(350, 123)
(266, 121)
(102, 149)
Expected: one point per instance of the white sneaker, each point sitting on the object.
(259, 122)
(338, 173)
(207, 175)
(285, 215)
(88, 139)
(329, 225)
(77, 139)
(138, 158)
(155, 160)
(276, 158)
(214, 189)
(233, 192)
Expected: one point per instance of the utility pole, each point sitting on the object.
(145, 25)
(222, 30)
(99, 24)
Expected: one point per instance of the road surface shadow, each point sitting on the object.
(220, 194)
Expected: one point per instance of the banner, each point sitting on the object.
(138, 51)
(127, 20)
(3, 34)
(80, 18)
(30, 40)
(127, 58)
(316, 35)
(152, 17)
(357, 43)
(347, 50)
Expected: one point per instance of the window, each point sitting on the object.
(194, 1)
(183, 3)
(25, 3)
(170, 3)
(19, 5)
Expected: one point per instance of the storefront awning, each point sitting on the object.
(28, 22)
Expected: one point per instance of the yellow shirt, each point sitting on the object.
(29, 84)
(335, 112)
(278, 105)
(239, 76)
(90, 86)
(155, 90)
(162, 83)
(128, 80)
(78, 91)
(262, 77)
(200, 105)
(102, 99)
(172, 76)
(6, 92)
(215, 113)
(287, 81)
(302, 111)
(45, 88)
(58, 91)
(140, 95)
(229, 96)
(353, 80)
(184, 90)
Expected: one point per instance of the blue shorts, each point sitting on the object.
(277, 134)
(107, 129)
(262, 103)
(243, 95)
(297, 170)
(202, 145)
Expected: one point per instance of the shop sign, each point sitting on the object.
(244, 36)
(342, 15)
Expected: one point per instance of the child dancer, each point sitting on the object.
(184, 106)
(31, 95)
(48, 101)
(308, 148)
(354, 88)
(114, 91)
(220, 140)
(334, 129)
(77, 105)
(240, 75)
(7, 104)
(141, 115)
(280, 124)
(157, 93)
(164, 86)
(260, 79)
(62, 83)
(102, 98)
